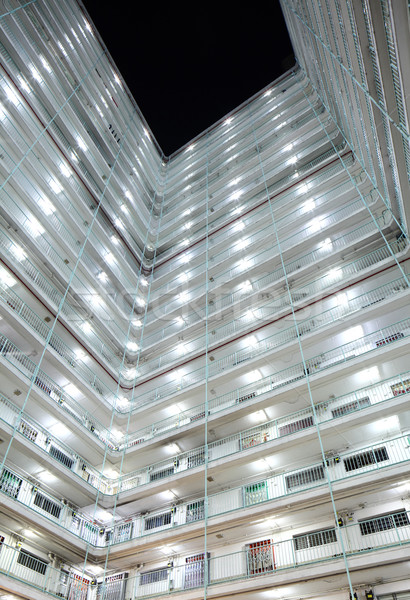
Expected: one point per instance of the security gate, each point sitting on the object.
(195, 570)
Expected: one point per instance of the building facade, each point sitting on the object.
(204, 357)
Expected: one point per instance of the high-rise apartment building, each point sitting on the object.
(204, 357)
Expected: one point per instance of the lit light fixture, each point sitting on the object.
(267, 93)
(59, 430)
(12, 96)
(190, 148)
(128, 195)
(186, 212)
(124, 209)
(46, 206)
(252, 341)
(246, 286)
(130, 374)
(143, 281)
(95, 569)
(309, 205)
(86, 327)
(288, 148)
(183, 296)
(45, 64)
(46, 476)
(55, 186)
(168, 494)
(185, 258)
(115, 240)
(36, 75)
(179, 321)
(35, 227)
(234, 182)
(236, 195)
(117, 79)
(326, 243)
(228, 121)
(185, 242)
(188, 225)
(293, 160)
(132, 346)
(137, 323)
(81, 144)
(140, 301)
(183, 277)
(314, 225)
(181, 348)
(24, 85)
(102, 276)
(79, 354)
(65, 170)
(173, 448)
(304, 188)
(244, 263)
(241, 244)
(239, 226)
(6, 278)
(109, 257)
(18, 252)
(118, 223)
(335, 273)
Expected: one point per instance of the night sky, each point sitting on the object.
(187, 70)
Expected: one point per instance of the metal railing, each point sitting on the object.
(272, 557)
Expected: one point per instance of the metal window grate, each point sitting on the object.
(10, 484)
(304, 477)
(158, 521)
(384, 522)
(47, 505)
(364, 459)
(351, 407)
(153, 576)
(26, 559)
(314, 539)
(61, 456)
(295, 426)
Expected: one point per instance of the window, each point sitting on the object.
(47, 505)
(296, 426)
(158, 521)
(358, 461)
(314, 539)
(304, 477)
(161, 474)
(384, 522)
(26, 559)
(351, 407)
(154, 576)
(61, 456)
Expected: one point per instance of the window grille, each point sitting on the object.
(10, 484)
(112, 588)
(195, 460)
(47, 505)
(158, 521)
(161, 474)
(384, 522)
(314, 539)
(364, 459)
(28, 431)
(304, 477)
(296, 426)
(195, 511)
(61, 456)
(256, 492)
(401, 388)
(194, 574)
(154, 576)
(26, 559)
(351, 407)
(260, 557)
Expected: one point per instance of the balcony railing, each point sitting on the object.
(340, 467)
(271, 558)
(342, 354)
(299, 421)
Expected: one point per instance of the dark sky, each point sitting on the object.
(188, 69)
